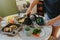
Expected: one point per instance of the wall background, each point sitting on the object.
(20, 5)
(7, 7)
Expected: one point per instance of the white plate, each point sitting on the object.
(22, 34)
(42, 33)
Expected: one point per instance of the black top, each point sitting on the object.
(52, 8)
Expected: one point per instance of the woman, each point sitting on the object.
(53, 13)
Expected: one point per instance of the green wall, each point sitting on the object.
(8, 7)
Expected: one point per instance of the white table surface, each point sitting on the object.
(47, 30)
(21, 36)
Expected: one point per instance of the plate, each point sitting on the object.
(22, 34)
(42, 33)
(12, 32)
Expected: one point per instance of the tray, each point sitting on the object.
(13, 32)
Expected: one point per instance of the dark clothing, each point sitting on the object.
(52, 8)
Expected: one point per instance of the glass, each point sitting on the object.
(27, 30)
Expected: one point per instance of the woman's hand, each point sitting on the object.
(28, 11)
(31, 6)
(51, 22)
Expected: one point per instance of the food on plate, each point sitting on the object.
(26, 21)
(7, 29)
(37, 31)
(10, 27)
(10, 19)
(21, 20)
(14, 27)
(36, 35)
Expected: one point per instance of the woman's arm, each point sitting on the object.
(32, 5)
(58, 17)
(52, 21)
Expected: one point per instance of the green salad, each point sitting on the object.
(37, 31)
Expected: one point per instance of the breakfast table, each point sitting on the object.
(44, 35)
